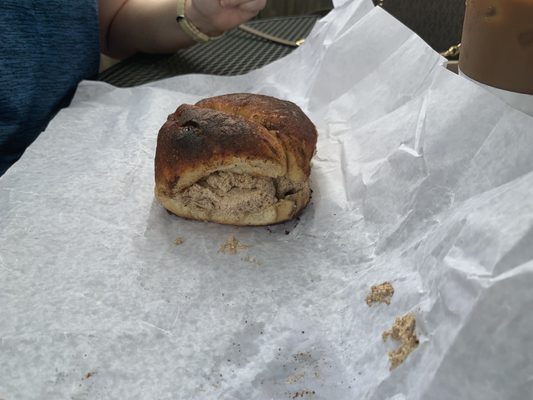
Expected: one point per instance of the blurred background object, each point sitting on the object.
(275, 8)
(497, 45)
(438, 22)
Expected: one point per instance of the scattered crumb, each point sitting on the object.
(403, 331)
(291, 380)
(89, 374)
(302, 393)
(251, 260)
(380, 294)
(179, 240)
(308, 362)
(232, 246)
(301, 356)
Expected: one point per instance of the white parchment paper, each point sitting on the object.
(422, 178)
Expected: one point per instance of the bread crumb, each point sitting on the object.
(302, 393)
(251, 260)
(232, 246)
(403, 331)
(179, 240)
(88, 375)
(291, 380)
(380, 294)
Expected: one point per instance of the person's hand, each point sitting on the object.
(120, 20)
(214, 17)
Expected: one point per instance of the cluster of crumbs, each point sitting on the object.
(380, 294)
(232, 246)
(403, 331)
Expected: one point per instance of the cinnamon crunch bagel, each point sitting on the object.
(240, 159)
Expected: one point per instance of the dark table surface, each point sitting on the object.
(236, 53)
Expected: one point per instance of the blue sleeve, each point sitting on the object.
(46, 49)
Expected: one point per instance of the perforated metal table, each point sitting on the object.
(236, 53)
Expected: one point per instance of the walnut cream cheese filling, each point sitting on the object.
(239, 194)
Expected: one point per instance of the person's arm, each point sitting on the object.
(150, 26)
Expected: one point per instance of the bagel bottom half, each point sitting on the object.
(238, 199)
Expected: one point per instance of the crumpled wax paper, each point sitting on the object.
(421, 178)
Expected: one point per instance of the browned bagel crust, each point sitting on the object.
(201, 139)
(295, 130)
